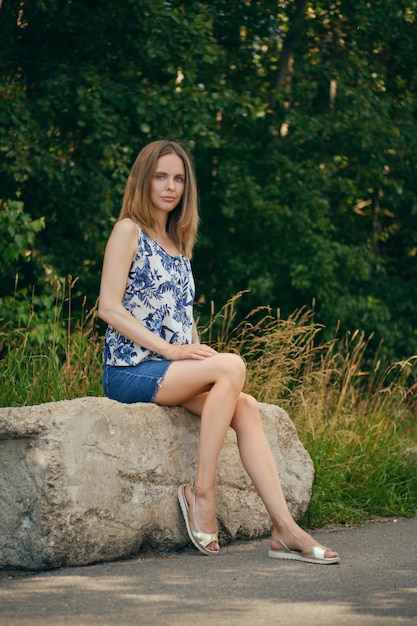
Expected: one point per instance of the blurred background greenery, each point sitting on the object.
(302, 120)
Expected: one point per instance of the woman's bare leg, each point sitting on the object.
(222, 377)
(258, 460)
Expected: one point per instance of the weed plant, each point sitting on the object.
(356, 417)
(50, 356)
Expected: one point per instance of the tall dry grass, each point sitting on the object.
(357, 417)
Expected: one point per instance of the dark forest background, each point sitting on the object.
(302, 121)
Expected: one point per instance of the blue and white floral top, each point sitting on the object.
(160, 294)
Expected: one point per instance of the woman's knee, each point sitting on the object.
(231, 366)
(248, 405)
(246, 413)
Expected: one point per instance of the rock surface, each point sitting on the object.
(91, 480)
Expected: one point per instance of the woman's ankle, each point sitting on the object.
(202, 490)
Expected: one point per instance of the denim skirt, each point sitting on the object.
(134, 383)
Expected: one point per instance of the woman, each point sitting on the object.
(152, 352)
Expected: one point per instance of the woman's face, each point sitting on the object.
(167, 185)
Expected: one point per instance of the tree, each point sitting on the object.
(302, 123)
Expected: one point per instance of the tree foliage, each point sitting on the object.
(302, 120)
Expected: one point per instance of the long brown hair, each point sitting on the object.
(183, 220)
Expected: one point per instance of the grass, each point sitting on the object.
(52, 357)
(355, 416)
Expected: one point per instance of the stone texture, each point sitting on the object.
(91, 479)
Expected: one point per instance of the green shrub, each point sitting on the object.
(51, 356)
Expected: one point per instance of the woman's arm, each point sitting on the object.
(194, 336)
(118, 257)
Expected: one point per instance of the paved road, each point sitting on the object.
(375, 585)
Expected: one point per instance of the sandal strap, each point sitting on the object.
(315, 552)
(203, 538)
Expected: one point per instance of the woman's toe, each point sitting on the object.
(330, 554)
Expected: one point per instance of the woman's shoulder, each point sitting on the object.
(124, 236)
(127, 226)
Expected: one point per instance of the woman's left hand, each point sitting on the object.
(196, 351)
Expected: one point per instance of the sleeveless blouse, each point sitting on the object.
(160, 294)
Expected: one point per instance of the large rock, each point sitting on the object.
(92, 479)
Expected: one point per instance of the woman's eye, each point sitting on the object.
(179, 179)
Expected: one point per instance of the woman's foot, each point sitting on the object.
(296, 541)
(201, 524)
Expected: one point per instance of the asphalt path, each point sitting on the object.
(375, 585)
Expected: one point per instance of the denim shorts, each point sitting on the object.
(134, 383)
